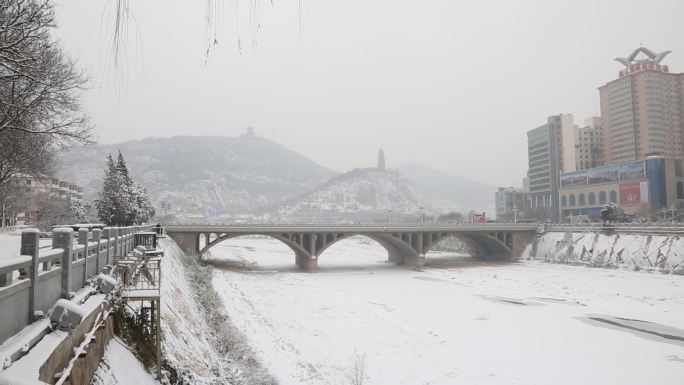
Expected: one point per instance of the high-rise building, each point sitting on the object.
(381, 160)
(510, 204)
(589, 144)
(550, 151)
(643, 110)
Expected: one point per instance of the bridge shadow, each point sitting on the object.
(449, 261)
(251, 266)
(441, 261)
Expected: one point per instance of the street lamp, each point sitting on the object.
(389, 216)
(673, 208)
(421, 214)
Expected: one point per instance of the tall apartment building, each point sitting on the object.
(550, 151)
(643, 110)
(589, 144)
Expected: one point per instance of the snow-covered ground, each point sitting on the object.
(455, 322)
(200, 344)
(10, 244)
(119, 366)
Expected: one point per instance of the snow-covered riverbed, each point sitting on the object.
(525, 323)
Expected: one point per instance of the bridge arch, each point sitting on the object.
(218, 238)
(392, 245)
(445, 243)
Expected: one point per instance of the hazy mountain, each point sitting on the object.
(360, 195)
(447, 192)
(233, 174)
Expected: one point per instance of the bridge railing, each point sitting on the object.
(35, 280)
(492, 225)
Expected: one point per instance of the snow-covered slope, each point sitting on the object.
(360, 195)
(448, 192)
(120, 367)
(653, 252)
(199, 343)
(232, 174)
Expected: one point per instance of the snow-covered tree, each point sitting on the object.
(111, 204)
(40, 90)
(54, 210)
(121, 201)
(145, 206)
(128, 190)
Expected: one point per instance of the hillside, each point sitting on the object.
(360, 195)
(447, 192)
(232, 174)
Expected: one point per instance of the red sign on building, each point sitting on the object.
(630, 193)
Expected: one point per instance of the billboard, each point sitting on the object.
(632, 171)
(604, 174)
(630, 193)
(572, 179)
(500, 200)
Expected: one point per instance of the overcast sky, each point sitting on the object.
(448, 84)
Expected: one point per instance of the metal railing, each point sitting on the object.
(138, 273)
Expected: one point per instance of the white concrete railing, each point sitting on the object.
(40, 276)
(325, 227)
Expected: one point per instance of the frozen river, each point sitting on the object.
(455, 322)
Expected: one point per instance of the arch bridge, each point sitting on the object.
(405, 244)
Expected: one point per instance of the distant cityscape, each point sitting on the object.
(631, 156)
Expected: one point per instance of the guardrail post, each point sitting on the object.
(83, 241)
(127, 231)
(30, 245)
(97, 234)
(107, 234)
(124, 238)
(63, 238)
(115, 235)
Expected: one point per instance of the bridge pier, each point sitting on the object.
(306, 262)
(519, 242)
(416, 260)
(412, 260)
(188, 242)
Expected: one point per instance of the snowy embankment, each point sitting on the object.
(632, 251)
(199, 343)
(120, 367)
(477, 323)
